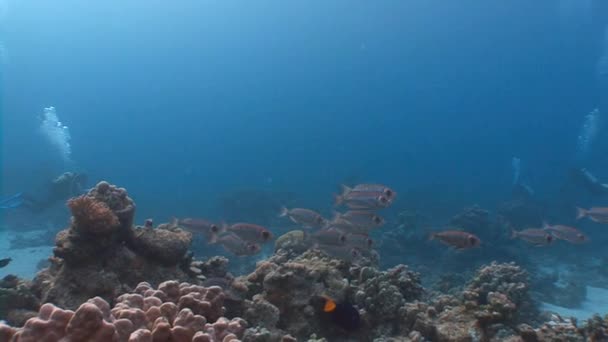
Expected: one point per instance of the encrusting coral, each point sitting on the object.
(173, 312)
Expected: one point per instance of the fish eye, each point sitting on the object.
(370, 242)
(549, 238)
(382, 199)
(266, 234)
(319, 219)
(388, 192)
(355, 252)
(214, 228)
(472, 240)
(581, 236)
(377, 219)
(342, 238)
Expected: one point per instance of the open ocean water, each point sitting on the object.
(487, 119)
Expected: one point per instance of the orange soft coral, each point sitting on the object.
(91, 215)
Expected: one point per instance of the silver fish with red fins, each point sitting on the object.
(209, 229)
(361, 218)
(597, 214)
(347, 226)
(346, 253)
(361, 241)
(457, 239)
(534, 236)
(569, 234)
(364, 200)
(238, 246)
(305, 217)
(389, 193)
(330, 236)
(249, 232)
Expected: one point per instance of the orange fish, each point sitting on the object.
(599, 215)
(457, 239)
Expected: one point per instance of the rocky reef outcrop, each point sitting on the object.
(102, 254)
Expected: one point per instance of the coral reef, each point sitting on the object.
(108, 281)
(102, 254)
(383, 293)
(173, 312)
(17, 302)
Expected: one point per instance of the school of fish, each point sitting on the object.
(347, 234)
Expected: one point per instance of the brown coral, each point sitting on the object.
(92, 216)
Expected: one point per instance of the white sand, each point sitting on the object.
(24, 260)
(595, 303)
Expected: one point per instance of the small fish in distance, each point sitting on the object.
(249, 232)
(534, 236)
(305, 217)
(569, 234)
(597, 214)
(4, 262)
(457, 239)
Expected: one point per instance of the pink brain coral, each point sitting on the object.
(174, 312)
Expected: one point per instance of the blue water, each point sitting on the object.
(186, 102)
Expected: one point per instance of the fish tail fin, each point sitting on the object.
(222, 227)
(345, 189)
(546, 225)
(580, 213)
(212, 238)
(432, 236)
(284, 212)
(174, 222)
(335, 215)
(514, 233)
(338, 200)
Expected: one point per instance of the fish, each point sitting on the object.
(456, 238)
(249, 232)
(534, 236)
(330, 236)
(347, 226)
(342, 252)
(362, 200)
(599, 215)
(361, 241)
(361, 218)
(389, 193)
(237, 246)
(12, 202)
(209, 229)
(343, 315)
(306, 217)
(4, 262)
(566, 233)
